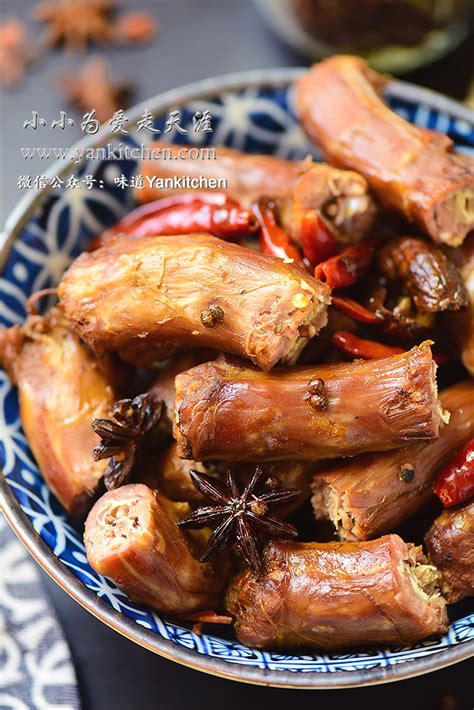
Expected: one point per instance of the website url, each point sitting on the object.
(120, 151)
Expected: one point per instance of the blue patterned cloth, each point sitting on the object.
(36, 670)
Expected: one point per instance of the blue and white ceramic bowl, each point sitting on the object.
(251, 112)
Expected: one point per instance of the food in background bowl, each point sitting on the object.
(393, 35)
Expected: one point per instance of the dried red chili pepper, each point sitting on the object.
(455, 483)
(218, 214)
(226, 221)
(371, 349)
(273, 239)
(346, 268)
(365, 349)
(317, 239)
(355, 311)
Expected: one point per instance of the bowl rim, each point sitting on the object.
(64, 577)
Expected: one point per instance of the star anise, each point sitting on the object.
(135, 28)
(15, 52)
(75, 22)
(92, 89)
(121, 438)
(241, 517)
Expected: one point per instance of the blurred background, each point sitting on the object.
(155, 45)
(167, 43)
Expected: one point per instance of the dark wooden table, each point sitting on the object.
(198, 39)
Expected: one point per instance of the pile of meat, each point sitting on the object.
(219, 362)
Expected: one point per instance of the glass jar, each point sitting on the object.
(393, 35)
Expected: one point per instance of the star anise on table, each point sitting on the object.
(15, 52)
(75, 22)
(135, 28)
(241, 516)
(121, 438)
(92, 89)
